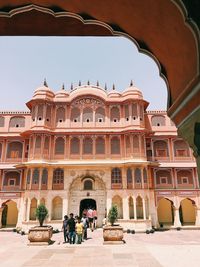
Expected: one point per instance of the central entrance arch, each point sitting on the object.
(86, 204)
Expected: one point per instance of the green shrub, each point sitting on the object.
(41, 214)
(113, 214)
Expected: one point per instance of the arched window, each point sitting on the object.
(33, 209)
(117, 201)
(181, 148)
(87, 115)
(128, 144)
(75, 115)
(17, 122)
(87, 145)
(35, 177)
(134, 111)
(116, 176)
(100, 145)
(48, 115)
(57, 204)
(40, 112)
(138, 179)
(127, 112)
(75, 145)
(136, 146)
(60, 115)
(2, 121)
(161, 148)
(129, 178)
(115, 114)
(141, 113)
(38, 145)
(100, 115)
(14, 150)
(44, 177)
(46, 146)
(88, 185)
(145, 176)
(139, 208)
(115, 145)
(158, 121)
(59, 146)
(58, 176)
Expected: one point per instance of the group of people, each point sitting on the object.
(75, 228)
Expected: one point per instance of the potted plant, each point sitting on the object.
(112, 233)
(40, 235)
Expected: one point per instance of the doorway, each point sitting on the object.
(87, 203)
(9, 214)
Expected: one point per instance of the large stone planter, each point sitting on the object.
(40, 235)
(113, 235)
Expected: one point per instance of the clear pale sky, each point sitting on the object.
(26, 61)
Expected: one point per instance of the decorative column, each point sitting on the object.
(135, 208)
(126, 215)
(177, 222)
(1, 210)
(144, 209)
(197, 221)
(65, 206)
(49, 207)
(108, 203)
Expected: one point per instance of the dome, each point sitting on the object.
(43, 92)
(88, 90)
(133, 91)
(61, 94)
(114, 93)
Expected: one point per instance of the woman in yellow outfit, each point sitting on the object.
(79, 230)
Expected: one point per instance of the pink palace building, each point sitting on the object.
(94, 148)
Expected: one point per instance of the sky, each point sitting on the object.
(26, 61)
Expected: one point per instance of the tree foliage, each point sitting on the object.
(113, 214)
(41, 213)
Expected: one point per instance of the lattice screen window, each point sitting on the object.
(181, 148)
(40, 112)
(44, 176)
(0, 150)
(75, 146)
(28, 177)
(60, 115)
(182, 175)
(141, 113)
(87, 145)
(12, 175)
(14, 150)
(100, 115)
(17, 122)
(129, 176)
(127, 112)
(2, 121)
(46, 144)
(161, 148)
(115, 145)
(114, 114)
(58, 176)
(59, 146)
(48, 114)
(100, 145)
(134, 111)
(38, 143)
(35, 177)
(136, 146)
(138, 178)
(145, 176)
(75, 115)
(116, 176)
(163, 173)
(163, 180)
(158, 121)
(87, 115)
(128, 144)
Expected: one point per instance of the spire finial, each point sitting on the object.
(113, 86)
(63, 86)
(88, 82)
(131, 83)
(71, 86)
(105, 86)
(79, 83)
(97, 83)
(45, 82)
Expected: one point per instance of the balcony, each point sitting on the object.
(58, 186)
(11, 188)
(116, 186)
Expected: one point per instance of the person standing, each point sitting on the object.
(79, 230)
(71, 228)
(94, 213)
(65, 229)
(90, 218)
(84, 221)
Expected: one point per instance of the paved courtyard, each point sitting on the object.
(168, 249)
